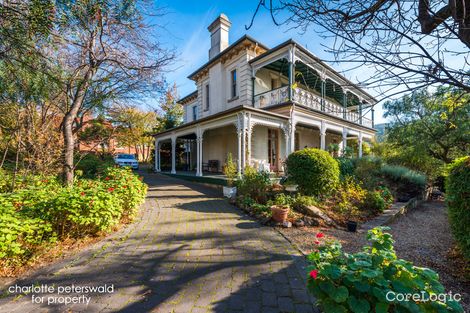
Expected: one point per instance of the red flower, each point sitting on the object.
(320, 235)
(317, 242)
(314, 274)
(110, 189)
(124, 187)
(107, 178)
(82, 193)
(140, 178)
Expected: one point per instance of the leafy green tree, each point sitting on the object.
(171, 112)
(134, 127)
(428, 129)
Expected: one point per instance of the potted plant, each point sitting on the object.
(290, 186)
(230, 171)
(280, 208)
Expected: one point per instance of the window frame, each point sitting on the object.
(233, 83)
(207, 97)
(194, 112)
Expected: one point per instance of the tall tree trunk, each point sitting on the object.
(69, 143)
(67, 128)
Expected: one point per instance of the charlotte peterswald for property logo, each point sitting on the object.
(61, 294)
(423, 297)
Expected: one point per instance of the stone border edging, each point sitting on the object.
(397, 209)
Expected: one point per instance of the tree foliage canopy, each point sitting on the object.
(428, 129)
(409, 44)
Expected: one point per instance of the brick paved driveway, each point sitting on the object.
(189, 251)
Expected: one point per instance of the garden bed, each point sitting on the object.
(422, 236)
(42, 219)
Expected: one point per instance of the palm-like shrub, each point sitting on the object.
(458, 202)
(314, 170)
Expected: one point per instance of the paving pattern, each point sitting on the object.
(189, 251)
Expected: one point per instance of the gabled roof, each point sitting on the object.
(244, 38)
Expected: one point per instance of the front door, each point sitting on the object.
(273, 149)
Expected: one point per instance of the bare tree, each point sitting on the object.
(410, 44)
(97, 51)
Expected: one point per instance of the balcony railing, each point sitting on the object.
(310, 100)
(272, 97)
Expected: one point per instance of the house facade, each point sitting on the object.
(260, 104)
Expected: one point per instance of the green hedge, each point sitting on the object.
(46, 211)
(93, 164)
(346, 166)
(458, 202)
(314, 170)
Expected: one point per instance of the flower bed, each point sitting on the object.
(374, 280)
(44, 212)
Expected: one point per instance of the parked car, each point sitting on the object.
(127, 160)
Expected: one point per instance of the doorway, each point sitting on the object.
(273, 149)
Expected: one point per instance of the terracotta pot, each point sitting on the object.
(279, 213)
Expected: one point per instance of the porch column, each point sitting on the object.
(291, 72)
(345, 138)
(359, 141)
(292, 137)
(199, 155)
(253, 90)
(243, 142)
(372, 113)
(345, 103)
(173, 155)
(323, 93)
(239, 159)
(248, 141)
(360, 112)
(157, 156)
(323, 136)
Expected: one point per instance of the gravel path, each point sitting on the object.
(422, 236)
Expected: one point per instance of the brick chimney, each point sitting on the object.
(219, 35)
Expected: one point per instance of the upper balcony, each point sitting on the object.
(290, 73)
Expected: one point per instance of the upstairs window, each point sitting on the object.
(207, 104)
(233, 83)
(194, 112)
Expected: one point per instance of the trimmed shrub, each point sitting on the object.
(374, 202)
(369, 281)
(92, 164)
(368, 171)
(346, 167)
(458, 202)
(314, 170)
(407, 181)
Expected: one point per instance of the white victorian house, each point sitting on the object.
(260, 104)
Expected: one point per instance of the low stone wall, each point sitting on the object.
(397, 209)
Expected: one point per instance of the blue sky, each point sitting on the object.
(185, 29)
